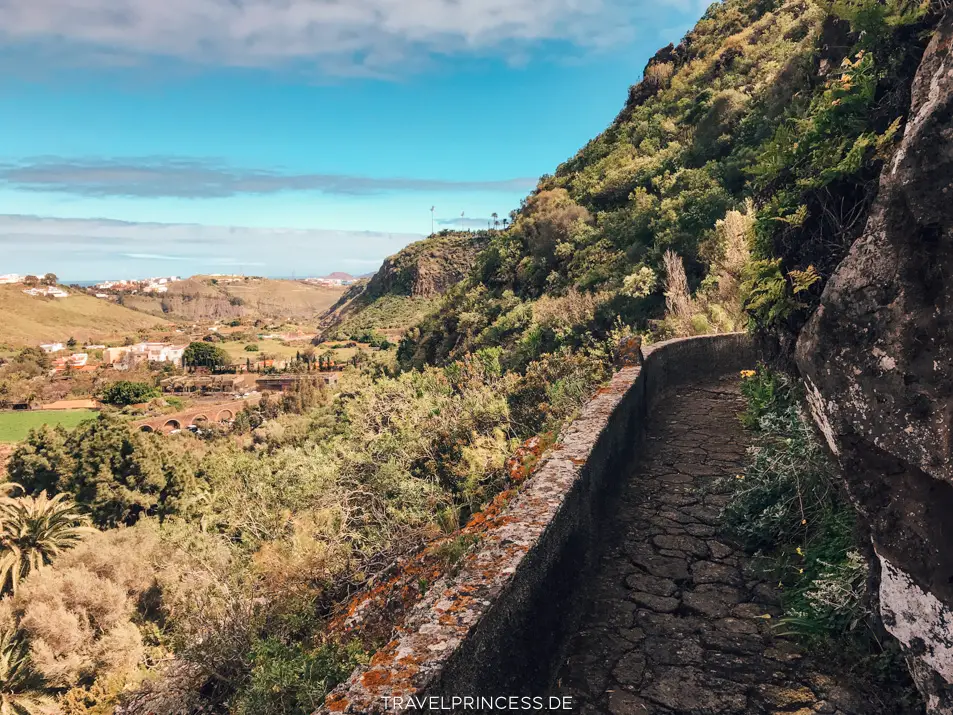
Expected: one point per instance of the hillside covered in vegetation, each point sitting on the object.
(763, 130)
(405, 288)
(210, 573)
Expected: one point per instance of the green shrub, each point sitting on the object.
(125, 392)
(205, 354)
(765, 391)
(118, 473)
(290, 680)
(787, 487)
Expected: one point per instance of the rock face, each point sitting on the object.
(427, 268)
(424, 269)
(877, 360)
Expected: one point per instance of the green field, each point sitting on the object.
(237, 352)
(265, 347)
(14, 426)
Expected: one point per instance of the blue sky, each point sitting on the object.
(292, 136)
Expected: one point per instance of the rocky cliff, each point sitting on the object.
(426, 268)
(400, 292)
(205, 298)
(877, 360)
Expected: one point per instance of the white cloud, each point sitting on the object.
(201, 178)
(154, 257)
(340, 36)
(465, 222)
(102, 248)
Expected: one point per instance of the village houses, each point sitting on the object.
(74, 361)
(122, 357)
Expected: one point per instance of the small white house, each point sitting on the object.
(52, 347)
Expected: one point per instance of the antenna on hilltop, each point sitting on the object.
(431, 220)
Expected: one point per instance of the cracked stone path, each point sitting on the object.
(676, 623)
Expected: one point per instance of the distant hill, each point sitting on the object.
(406, 286)
(28, 320)
(219, 298)
(340, 276)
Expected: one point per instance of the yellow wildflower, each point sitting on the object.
(739, 476)
(748, 373)
(799, 552)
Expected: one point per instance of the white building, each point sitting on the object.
(73, 361)
(52, 347)
(10, 278)
(152, 352)
(50, 291)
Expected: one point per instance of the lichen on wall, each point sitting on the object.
(917, 619)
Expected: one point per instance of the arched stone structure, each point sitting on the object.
(171, 425)
(221, 413)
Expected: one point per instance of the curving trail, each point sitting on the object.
(676, 623)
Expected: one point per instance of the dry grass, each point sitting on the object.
(25, 320)
(573, 308)
(678, 300)
(716, 306)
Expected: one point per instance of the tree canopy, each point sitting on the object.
(202, 354)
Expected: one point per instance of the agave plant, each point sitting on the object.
(34, 531)
(21, 688)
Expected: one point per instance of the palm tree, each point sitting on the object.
(496, 219)
(20, 686)
(505, 221)
(34, 531)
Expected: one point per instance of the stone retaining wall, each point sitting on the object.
(499, 626)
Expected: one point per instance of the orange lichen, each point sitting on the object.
(376, 678)
(336, 702)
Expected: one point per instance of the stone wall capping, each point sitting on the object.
(499, 625)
